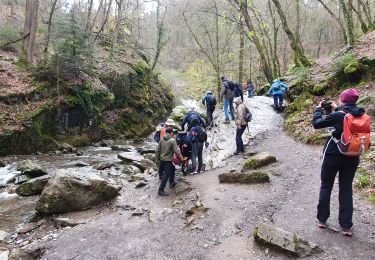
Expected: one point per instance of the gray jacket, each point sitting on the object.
(225, 91)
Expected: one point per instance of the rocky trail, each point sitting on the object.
(202, 218)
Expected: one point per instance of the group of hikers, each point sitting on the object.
(350, 137)
(177, 146)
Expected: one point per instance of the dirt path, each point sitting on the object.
(225, 230)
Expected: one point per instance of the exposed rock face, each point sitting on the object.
(284, 240)
(258, 161)
(31, 169)
(249, 177)
(33, 187)
(69, 192)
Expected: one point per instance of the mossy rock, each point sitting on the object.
(258, 161)
(262, 90)
(318, 89)
(352, 68)
(248, 177)
(33, 187)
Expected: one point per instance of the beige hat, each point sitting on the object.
(170, 122)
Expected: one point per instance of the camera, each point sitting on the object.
(327, 107)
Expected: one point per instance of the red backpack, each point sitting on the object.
(356, 137)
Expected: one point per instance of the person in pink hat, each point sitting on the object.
(335, 162)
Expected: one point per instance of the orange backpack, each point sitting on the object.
(356, 137)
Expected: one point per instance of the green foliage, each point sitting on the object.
(200, 78)
(372, 198)
(8, 33)
(296, 70)
(72, 56)
(342, 62)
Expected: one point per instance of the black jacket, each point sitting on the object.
(336, 121)
(210, 101)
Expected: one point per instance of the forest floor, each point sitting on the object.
(225, 230)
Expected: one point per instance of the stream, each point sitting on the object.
(15, 210)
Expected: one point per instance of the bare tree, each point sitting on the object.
(295, 44)
(53, 8)
(29, 31)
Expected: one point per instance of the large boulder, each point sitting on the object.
(69, 192)
(33, 187)
(31, 169)
(259, 160)
(248, 177)
(130, 157)
(284, 240)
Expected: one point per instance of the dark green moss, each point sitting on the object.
(250, 177)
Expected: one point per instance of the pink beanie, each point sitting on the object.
(349, 96)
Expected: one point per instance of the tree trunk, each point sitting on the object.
(30, 26)
(294, 43)
(117, 26)
(337, 19)
(347, 10)
(253, 37)
(160, 34)
(88, 18)
(106, 12)
(298, 20)
(45, 51)
(241, 53)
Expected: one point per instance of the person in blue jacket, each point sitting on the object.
(189, 119)
(277, 91)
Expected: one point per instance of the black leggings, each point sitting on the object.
(346, 167)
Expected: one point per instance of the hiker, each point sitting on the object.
(241, 125)
(197, 137)
(164, 154)
(335, 161)
(227, 92)
(210, 102)
(160, 131)
(277, 90)
(189, 119)
(250, 88)
(238, 91)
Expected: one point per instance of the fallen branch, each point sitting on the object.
(14, 41)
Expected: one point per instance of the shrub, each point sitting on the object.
(8, 33)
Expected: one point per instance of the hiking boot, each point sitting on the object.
(226, 122)
(237, 152)
(322, 225)
(163, 193)
(347, 232)
(172, 185)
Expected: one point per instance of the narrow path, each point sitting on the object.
(225, 230)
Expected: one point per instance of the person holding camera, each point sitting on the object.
(334, 161)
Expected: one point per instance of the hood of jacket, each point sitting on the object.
(237, 101)
(352, 109)
(167, 137)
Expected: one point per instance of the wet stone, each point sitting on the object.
(103, 166)
(81, 164)
(31, 169)
(67, 222)
(121, 148)
(247, 178)
(130, 157)
(258, 161)
(3, 235)
(33, 187)
(284, 240)
(140, 184)
(138, 212)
